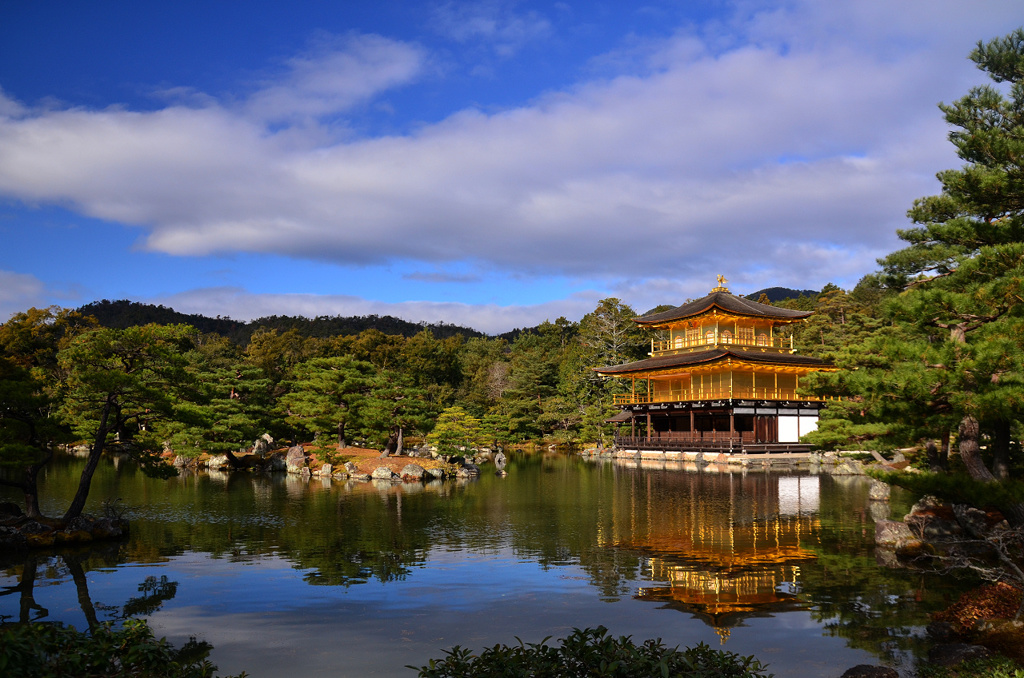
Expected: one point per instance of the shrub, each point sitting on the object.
(991, 667)
(52, 650)
(592, 653)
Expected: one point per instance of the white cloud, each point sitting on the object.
(786, 157)
(338, 74)
(492, 22)
(19, 292)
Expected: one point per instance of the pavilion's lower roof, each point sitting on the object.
(712, 356)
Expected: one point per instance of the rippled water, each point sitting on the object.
(293, 578)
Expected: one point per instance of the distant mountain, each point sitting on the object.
(775, 294)
(124, 313)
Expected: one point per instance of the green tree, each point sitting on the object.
(31, 386)
(392, 407)
(484, 365)
(383, 350)
(610, 335)
(958, 319)
(326, 395)
(27, 433)
(226, 406)
(455, 431)
(121, 385)
(532, 379)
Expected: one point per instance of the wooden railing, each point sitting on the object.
(736, 392)
(688, 436)
(716, 338)
(717, 441)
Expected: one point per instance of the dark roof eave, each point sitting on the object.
(726, 302)
(714, 355)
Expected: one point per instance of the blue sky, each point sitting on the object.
(491, 164)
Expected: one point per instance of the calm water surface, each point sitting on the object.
(292, 578)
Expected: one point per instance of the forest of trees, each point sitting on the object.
(931, 346)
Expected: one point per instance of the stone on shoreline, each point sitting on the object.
(21, 533)
(412, 472)
(295, 460)
(870, 671)
(383, 473)
(892, 533)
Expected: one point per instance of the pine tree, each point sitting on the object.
(326, 395)
(393, 407)
(225, 406)
(957, 343)
(121, 386)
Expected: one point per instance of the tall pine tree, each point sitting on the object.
(957, 323)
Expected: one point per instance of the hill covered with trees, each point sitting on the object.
(123, 314)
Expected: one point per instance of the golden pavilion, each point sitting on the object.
(723, 376)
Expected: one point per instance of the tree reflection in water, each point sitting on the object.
(728, 547)
(46, 570)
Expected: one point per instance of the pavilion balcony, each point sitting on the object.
(707, 441)
(734, 393)
(714, 338)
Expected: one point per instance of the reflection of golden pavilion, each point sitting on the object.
(724, 557)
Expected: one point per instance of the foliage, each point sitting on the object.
(992, 667)
(26, 430)
(31, 387)
(992, 601)
(121, 387)
(955, 354)
(592, 653)
(225, 407)
(957, 488)
(325, 395)
(48, 650)
(393, 406)
(456, 431)
(124, 314)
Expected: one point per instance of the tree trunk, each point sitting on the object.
(932, 453)
(970, 432)
(944, 451)
(78, 503)
(401, 442)
(1001, 450)
(27, 588)
(82, 587)
(31, 486)
(232, 459)
(341, 435)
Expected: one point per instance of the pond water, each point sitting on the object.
(291, 578)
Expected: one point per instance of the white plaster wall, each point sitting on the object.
(791, 428)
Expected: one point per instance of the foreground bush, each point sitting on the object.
(52, 650)
(592, 653)
(992, 667)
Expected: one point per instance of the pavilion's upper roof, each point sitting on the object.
(725, 301)
(714, 355)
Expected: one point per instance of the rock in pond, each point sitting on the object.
(296, 459)
(383, 473)
(412, 472)
(869, 671)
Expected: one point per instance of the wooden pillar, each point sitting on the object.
(732, 427)
(648, 425)
(693, 433)
(632, 425)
